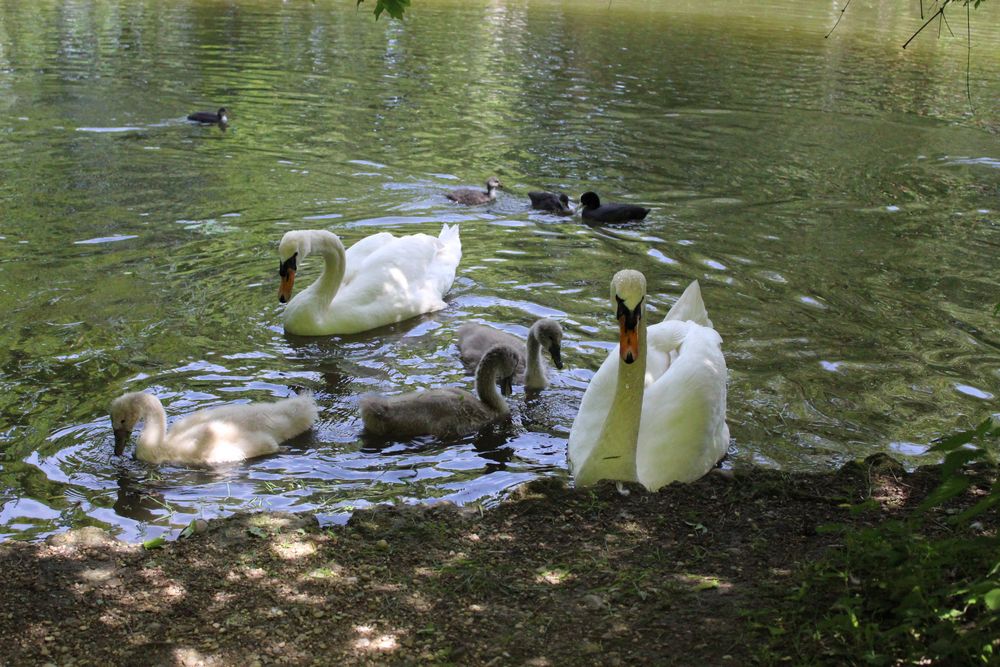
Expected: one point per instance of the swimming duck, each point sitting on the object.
(476, 197)
(551, 202)
(214, 435)
(655, 411)
(445, 411)
(593, 210)
(219, 117)
(475, 339)
(381, 279)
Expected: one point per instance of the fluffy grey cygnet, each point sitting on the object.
(474, 197)
(446, 411)
(475, 339)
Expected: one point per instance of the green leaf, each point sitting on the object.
(831, 528)
(949, 488)
(257, 531)
(986, 503)
(956, 459)
(155, 543)
(992, 599)
(396, 8)
(189, 530)
(953, 441)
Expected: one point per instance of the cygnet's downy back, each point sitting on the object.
(447, 411)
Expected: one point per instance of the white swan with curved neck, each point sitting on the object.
(382, 279)
(216, 435)
(655, 411)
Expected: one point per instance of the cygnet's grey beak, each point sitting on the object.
(121, 439)
(556, 354)
(507, 385)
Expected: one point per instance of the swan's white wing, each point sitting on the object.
(403, 277)
(593, 412)
(237, 432)
(359, 252)
(683, 432)
(690, 306)
(441, 272)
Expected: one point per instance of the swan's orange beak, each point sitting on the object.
(628, 340)
(286, 270)
(285, 291)
(628, 336)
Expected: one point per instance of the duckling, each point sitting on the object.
(594, 211)
(476, 197)
(219, 117)
(475, 339)
(214, 435)
(551, 202)
(446, 411)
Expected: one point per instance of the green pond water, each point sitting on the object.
(838, 199)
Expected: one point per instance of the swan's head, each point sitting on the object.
(126, 410)
(493, 184)
(628, 293)
(223, 118)
(293, 246)
(549, 334)
(590, 200)
(500, 361)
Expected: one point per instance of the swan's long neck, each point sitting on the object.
(155, 429)
(335, 264)
(534, 374)
(486, 386)
(614, 455)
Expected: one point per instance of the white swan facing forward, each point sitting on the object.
(382, 279)
(215, 435)
(655, 411)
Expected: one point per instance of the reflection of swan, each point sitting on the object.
(474, 197)
(380, 280)
(661, 415)
(475, 339)
(215, 435)
(446, 411)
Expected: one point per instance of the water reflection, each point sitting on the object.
(832, 196)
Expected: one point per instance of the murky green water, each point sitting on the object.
(834, 196)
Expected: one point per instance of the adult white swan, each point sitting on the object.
(655, 411)
(215, 435)
(381, 279)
